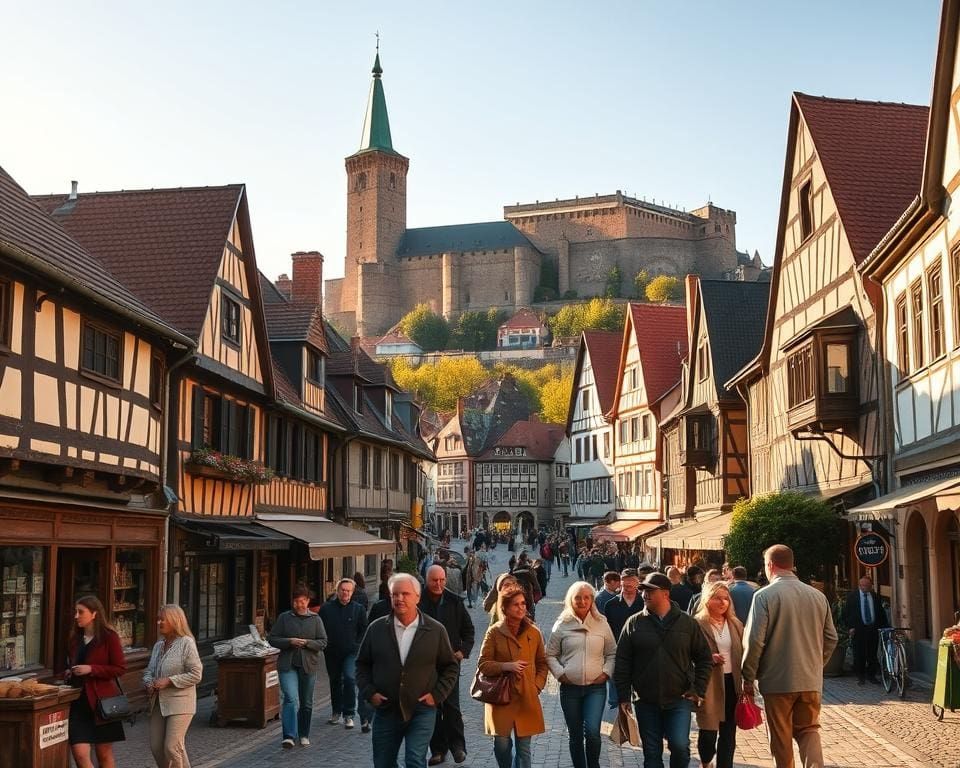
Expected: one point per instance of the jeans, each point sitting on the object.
(503, 750)
(389, 730)
(671, 722)
(548, 562)
(473, 593)
(296, 708)
(723, 743)
(582, 707)
(343, 684)
(613, 699)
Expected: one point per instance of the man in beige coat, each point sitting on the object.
(789, 638)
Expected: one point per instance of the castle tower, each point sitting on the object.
(376, 196)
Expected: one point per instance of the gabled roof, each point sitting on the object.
(735, 313)
(292, 320)
(604, 350)
(523, 318)
(395, 337)
(165, 245)
(872, 155)
(490, 411)
(31, 237)
(490, 235)
(539, 439)
(661, 333)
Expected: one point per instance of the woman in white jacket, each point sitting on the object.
(580, 654)
(171, 680)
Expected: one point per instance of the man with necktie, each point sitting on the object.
(864, 615)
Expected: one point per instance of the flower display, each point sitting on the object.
(233, 467)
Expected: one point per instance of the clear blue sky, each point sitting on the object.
(493, 102)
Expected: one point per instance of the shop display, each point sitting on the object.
(24, 689)
(21, 577)
(129, 577)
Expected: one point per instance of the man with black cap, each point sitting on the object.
(660, 650)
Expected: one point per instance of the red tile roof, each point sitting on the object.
(872, 154)
(523, 318)
(541, 440)
(604, 350)
(661, 331)
(163, 244)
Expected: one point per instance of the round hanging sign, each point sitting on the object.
(871, 549)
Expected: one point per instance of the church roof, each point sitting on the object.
(376, 124)
(488, 235)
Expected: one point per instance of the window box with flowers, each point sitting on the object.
(206, 462)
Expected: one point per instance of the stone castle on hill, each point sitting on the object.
(390, 268)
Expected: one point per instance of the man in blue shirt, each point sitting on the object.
(611, 586)
(741, 593)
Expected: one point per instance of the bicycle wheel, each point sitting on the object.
(885, 674)
(901, 667)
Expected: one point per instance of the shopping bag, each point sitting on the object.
(748, 715)
(625, 729)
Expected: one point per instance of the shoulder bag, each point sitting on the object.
(491, 690)
(112, 708)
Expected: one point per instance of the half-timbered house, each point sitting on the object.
(592, 495)
(851, 169)
(709, 425)
(83, 396)
(917, 263)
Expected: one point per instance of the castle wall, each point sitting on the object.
(381, 304)
(332, 290)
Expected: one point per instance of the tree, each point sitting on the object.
(805, 524)
(664, 288)
(440, 384)
(555, 398)
(596, 314)
(611, 289)
(640, 281)
(475, 331)
(426, 328)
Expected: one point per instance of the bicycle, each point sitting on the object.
(892, 655)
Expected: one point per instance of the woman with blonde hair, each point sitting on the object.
(581, 654)
(514, 646)
(715, 715)
(171, 680)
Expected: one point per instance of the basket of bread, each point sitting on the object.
(25, 689)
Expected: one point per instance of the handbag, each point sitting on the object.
(113, 708)
(747, 714)
(491, 690)
(625, 729)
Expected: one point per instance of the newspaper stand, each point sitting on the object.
(34, 730)
(248, 689)
(946, 688)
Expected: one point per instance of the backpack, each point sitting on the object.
(546, 551)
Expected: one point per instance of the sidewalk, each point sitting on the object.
(862, 726)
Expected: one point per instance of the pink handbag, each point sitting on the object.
(748, 715)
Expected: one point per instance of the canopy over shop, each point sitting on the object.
(625, 530)
(697, 541)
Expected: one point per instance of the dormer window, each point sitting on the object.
(315, 366)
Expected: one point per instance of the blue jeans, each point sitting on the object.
(582, 707)
(503, 751)
(296, 709)
(343, 684)
(549, 563)
(389, 730)
(671, 722)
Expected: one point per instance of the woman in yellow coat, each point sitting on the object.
(514, 646)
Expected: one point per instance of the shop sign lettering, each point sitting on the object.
(871, 549)
(54, 730)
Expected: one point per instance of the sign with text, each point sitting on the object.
(871, 549)
(54, 730)
(273, 678)
(510, 450)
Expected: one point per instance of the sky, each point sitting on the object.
(494, 103)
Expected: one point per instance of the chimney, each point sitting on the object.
(73, 190)
(284, 284)
(307, 284)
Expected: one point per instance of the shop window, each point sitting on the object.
(101, 352)
(129, 596)
(230, 320)
(21, 606)
(211, 600)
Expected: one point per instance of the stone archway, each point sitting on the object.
(502, 521)
(525, 523)
(917, 576)
(945, 543)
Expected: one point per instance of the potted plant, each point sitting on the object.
(836, 665)
(206, 462)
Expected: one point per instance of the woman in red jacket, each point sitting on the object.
(96, 661)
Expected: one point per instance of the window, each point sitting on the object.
(388, 408)
(903, 333)
(916, 304)
(514, 494)
(377, 468)
(277, 445)
(645, 424)
(314, 366)
(955, 263)
(230, 320)
(585, 401)
(129, 595)
(496, 493)
(703, 362)
(364, 467)
(623, 432)
(156, 380)
(312, 456)
(800, 376)
(935, 294)
(647, 482)
(628, 483)
(222, 424)
(393, 180)
(360, 182)
(486, 495)
(6, 312)
(211, 601)
(523, 493)
(358, 398)
(394, 471)
(22, 594)
(805, 200)
(101, 352)
(633, 377)
(579, 452)
(458, 468)
(606, 445)
(593, 442)
(634, 429)
(838, 368)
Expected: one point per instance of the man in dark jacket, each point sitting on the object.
(664, 657)
(446, 607)
(691, 585)
(345, 622)
(863, 613)
(378, 610)
(405, 668)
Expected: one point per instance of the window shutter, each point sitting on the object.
(199, 400)
(226, 412)
(248, 425)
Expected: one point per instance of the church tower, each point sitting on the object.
(376, 195)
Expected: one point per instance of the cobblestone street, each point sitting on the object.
(861, 727)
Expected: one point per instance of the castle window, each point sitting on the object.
(101, 352)
(230, 320)
(393, 180)
(360, 182)
(805, 201)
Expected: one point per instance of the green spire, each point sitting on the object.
(376, 124)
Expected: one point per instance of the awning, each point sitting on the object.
(702, 535)
(885, 507)
(580, 522)
(325, 538)
(625, 530)
(235, 536)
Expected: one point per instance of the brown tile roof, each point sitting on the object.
(872, 154)
(661, 331)
(26, 230)
(292, 321)
(604, 349)
(165, 245)
(540, 439)
(524, 318)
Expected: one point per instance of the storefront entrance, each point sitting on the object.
(80, 573)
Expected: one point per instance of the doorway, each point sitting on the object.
(80, 572)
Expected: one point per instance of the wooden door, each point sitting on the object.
(80, 572)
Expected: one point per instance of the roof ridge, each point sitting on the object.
(866, 102)
(153, 190)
